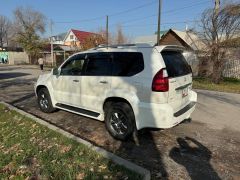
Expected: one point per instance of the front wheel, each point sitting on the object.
(119, 120)
(44, 101)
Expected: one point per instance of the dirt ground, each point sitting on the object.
(193, 150)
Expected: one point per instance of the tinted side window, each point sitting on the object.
(99, 64)
(127, 63)
(74, 66)
(176, 64)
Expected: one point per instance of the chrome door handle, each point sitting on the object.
(103, 82)
(75, 80)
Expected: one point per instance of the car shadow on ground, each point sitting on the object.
(12, 75)
(195, 157)
(143, 150)
(23, 98)
(17, 82)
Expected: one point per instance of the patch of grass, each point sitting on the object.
(231, 85)
(30, 150)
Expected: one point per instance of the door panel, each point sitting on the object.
(67, 89)
(96, 81)
(67, 85)
(94, 92)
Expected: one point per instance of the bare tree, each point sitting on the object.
(4, 30)
(29, 24)
(218, 27)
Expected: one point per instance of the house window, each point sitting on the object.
(71, 36)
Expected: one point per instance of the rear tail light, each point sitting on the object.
(160, 81)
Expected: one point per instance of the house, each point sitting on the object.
(58, 39)
(75, 38)
(187, 39)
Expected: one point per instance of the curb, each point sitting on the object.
(116, 159)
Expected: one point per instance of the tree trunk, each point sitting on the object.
(218, 58)
(30, 59)
(217, 72)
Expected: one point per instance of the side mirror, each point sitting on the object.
(56, 72)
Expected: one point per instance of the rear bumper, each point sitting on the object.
(152, 115)
(185, 109)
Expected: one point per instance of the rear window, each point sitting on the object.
(176, 64)
(127, 63)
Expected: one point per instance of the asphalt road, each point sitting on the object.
(208, 147)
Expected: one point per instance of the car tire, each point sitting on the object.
(119, 120)
(44, 101)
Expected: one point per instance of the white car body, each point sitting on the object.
(151, 109)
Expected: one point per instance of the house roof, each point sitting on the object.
(80, 35)
(57, 47)
(190, 38)
(60, 37)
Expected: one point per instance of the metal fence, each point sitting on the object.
(232, 65)
(232, 68)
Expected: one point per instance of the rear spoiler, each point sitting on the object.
(170, 48)
(174, 48)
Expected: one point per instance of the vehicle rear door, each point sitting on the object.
(180, 78)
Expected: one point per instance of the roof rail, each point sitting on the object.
(124, 45)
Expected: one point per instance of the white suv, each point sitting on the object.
(127, 86)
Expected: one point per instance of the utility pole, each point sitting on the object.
(51, 24)
(159, 22)
(107, 30)
(215, 17)
(217, 6)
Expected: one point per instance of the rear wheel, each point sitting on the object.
(119, 120)
(44, 101)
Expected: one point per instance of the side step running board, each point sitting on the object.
(78, 110)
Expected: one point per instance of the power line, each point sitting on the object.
(133, 9)
(80, 21)
(153, 24)
(192, 5)
(137, 19)
(164, 12)
(111, 15)
(130, 10)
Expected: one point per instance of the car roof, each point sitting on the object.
(130, 48)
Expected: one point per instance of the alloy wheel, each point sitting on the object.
(118, 123)
(43, 101)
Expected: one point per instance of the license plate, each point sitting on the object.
(184, 92)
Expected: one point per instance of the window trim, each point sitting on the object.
(87, 61)
(71, 58)
(172, 77)
(111, 55)
(133, 74)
